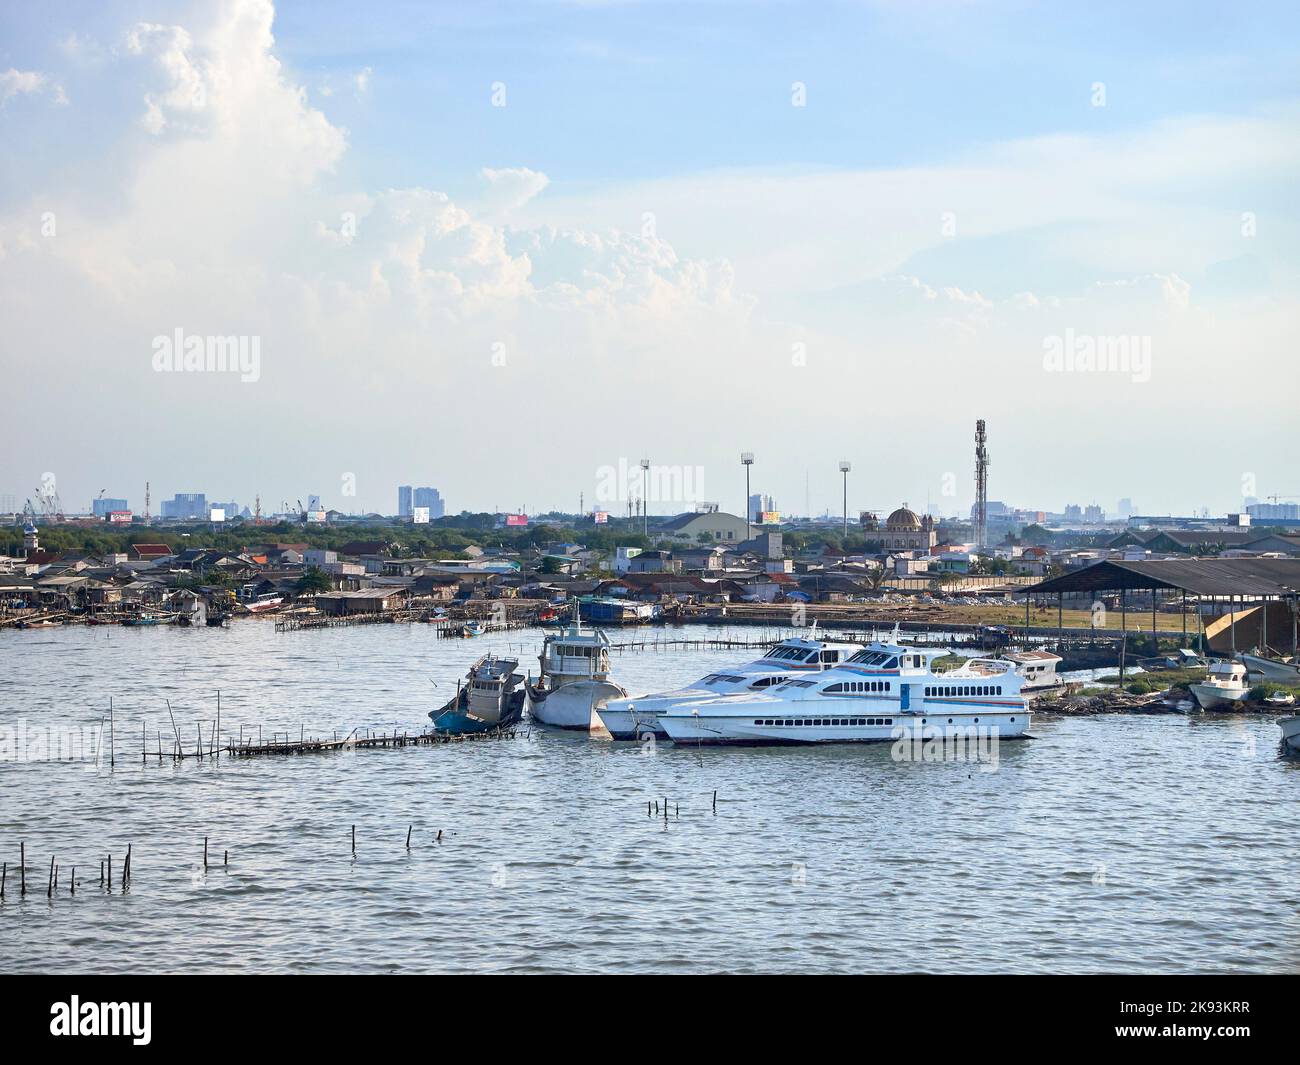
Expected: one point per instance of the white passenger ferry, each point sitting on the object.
(881, 693)
(628, 719)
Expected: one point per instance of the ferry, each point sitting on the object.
(630, 719)
(574, 685)
(884, 692)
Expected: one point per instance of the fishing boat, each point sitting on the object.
(264, 603)
(142, 619)
(489, 698)
(216, 619)
(1277, 670)
(1290, 727)
(1225, 683)
(885, 692)
(472, 628)
(630, 719)
(574, 685)
(1037, 667)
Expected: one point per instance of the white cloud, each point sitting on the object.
(29, 83)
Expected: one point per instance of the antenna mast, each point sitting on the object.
(981, 486)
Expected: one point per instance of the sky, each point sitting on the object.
(511, 249)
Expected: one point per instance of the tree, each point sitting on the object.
(313, 581)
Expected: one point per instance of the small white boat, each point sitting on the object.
(473, 628)
(1280, 700)
(574, 686)
(1290, 727)
(1225, 683)
(1037, 667)
(629, 719)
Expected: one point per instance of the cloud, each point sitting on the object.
(29, 83)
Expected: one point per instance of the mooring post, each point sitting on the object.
(354, 841)
(22, 865)
(205, 852)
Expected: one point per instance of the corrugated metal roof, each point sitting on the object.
(1197, 576)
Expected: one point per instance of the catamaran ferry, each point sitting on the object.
(629, 719)
(883, 692)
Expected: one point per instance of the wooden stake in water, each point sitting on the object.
(111, 744)
(205, 852)
(408, 836)
(49, 889)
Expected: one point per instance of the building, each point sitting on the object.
(1274, 511)
(431, 498)
(717, 525)
(905, 531)
(186, 506)
(409, 498)
(760, 505)
(103, 506)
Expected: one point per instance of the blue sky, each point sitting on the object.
(649, 215)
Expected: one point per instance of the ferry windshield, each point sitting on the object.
(790, 654)
(875, 658)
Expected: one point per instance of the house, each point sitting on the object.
(654, 562)
(149, 552)
(364, 601)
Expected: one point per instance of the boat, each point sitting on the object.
(142, 619)
(884, 693)
(610, 610)
(1290, 727)
(473, 628)
(1037, 667)
(264, 603)
(488, 699)
(574, 685)
(216, 619)
(1277, 670)
(630, 719)
(1280, 700)
(1225, 683)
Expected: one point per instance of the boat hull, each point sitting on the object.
(786, 726)
(1290, 727)
(576, 705)
(634, 719)
(1212, 695)
(1281, 672)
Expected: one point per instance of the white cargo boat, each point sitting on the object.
(575, 683)
(880, 694)
(628, 719)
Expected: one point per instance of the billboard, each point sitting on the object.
(516, 519)
(120, 516)
(600, 517)
(420, 515)
(316, 517)
(769, 517)
(217, 514)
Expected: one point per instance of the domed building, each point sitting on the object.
(905, 531)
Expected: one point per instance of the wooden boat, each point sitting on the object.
(142, 619)
(488, 699)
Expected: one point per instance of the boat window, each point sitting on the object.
(833, 688)
(892, 663)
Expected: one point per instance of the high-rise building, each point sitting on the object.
(404, 503)
(1125, 508)
(102, 506)
(185, 506)
(1276, 511)
(759, 505)
(431, 498)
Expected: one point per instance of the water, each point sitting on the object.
(1163, 844)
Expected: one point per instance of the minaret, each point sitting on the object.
(31, 540)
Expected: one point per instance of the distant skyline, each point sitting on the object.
(520, 245)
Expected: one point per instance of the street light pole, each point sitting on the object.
(845, 466)
(645, 494)
(747, 460)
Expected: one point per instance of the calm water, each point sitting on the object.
(1112, 843)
